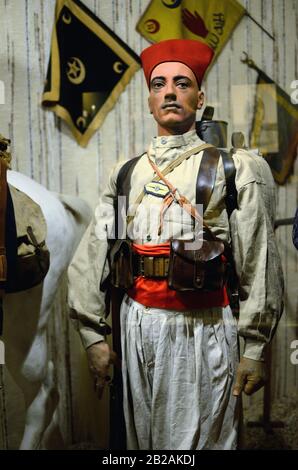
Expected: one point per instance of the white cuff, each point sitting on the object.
(89, 336)
(254, 349)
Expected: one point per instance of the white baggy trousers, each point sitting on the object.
(178, 371)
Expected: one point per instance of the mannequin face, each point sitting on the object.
(174, 98)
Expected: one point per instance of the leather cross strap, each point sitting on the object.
(172, 196)
(207, 176)
(167, 170)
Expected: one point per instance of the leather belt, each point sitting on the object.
(150, 266)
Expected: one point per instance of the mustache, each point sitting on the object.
(174, 104)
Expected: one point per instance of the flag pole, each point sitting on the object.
(247, 60)
(260, 26)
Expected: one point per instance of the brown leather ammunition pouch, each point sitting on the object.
(201, 269)
(186, 270)
(120, 259)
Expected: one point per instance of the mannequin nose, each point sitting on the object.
(170, 94)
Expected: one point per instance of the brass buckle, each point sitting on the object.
(152, 266)
(159, 267)
(148, 266)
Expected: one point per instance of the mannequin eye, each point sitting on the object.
(183, 84)
(157, 84)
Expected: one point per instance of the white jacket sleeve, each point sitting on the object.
(89, 268)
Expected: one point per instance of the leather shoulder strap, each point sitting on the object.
(206, 176)
(124, 176)
(123, 185)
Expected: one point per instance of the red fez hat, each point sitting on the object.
(195, 54)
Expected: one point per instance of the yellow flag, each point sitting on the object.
(275, 127)
(209, 21)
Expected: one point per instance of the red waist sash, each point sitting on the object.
(152, 292)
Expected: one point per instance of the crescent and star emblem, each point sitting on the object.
(171, 3)
(81, 122)
(152, 26)
(76, 72)
(117, 67)
(66, 18)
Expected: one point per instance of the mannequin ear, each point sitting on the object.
(201, 99)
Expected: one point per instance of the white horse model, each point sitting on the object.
(26, 313)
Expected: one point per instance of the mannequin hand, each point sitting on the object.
(100, 357)
(250, 376)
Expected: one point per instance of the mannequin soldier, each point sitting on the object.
(181, 377)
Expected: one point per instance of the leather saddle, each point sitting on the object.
(25, 259)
